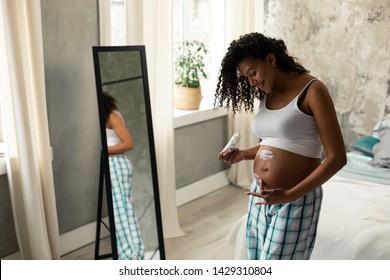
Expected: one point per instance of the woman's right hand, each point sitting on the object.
(231, 156)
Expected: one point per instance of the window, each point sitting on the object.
(118, 22)
(202, 20)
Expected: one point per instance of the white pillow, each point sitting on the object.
(381, 124)
(381, 150)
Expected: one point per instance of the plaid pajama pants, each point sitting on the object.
(129, 241)
(282, 231)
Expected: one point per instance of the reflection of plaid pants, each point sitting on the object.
(283, 231)
(128, 238)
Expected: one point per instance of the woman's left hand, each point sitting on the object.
(272, 196)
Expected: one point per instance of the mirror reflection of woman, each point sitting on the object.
(119, 140)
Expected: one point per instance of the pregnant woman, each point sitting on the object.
(295, 121)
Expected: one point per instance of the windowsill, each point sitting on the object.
(3, 169)
(205, 112)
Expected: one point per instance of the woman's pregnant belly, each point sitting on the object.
(278, 168)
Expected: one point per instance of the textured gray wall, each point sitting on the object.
(346, 44)
(70, 29)
(196, 150)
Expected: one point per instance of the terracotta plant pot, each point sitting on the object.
(185, 98)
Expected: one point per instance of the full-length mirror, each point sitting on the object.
(128, 154)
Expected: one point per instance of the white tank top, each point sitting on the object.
(288, 128)
(112, 138)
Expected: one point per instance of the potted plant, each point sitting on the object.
(189, 69)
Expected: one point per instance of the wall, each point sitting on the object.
(70, 29)
(196, 150)
(346, 44)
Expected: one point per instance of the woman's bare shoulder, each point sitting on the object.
(116, 115)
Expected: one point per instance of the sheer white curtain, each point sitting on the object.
(105, 22)
(149, 23)
(22, 94)
(243, 16)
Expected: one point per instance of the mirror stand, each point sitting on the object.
(99, 220)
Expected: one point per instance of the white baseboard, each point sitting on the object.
(201, 188)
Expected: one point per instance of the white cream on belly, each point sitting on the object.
(266, 154)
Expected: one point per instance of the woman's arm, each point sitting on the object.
(322, 107)
(115, 121)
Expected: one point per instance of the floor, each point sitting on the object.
(88, 252)
(206, 222)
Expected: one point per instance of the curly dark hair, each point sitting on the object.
(234, 90)
(109, 104)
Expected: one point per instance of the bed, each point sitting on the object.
(355, 216)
